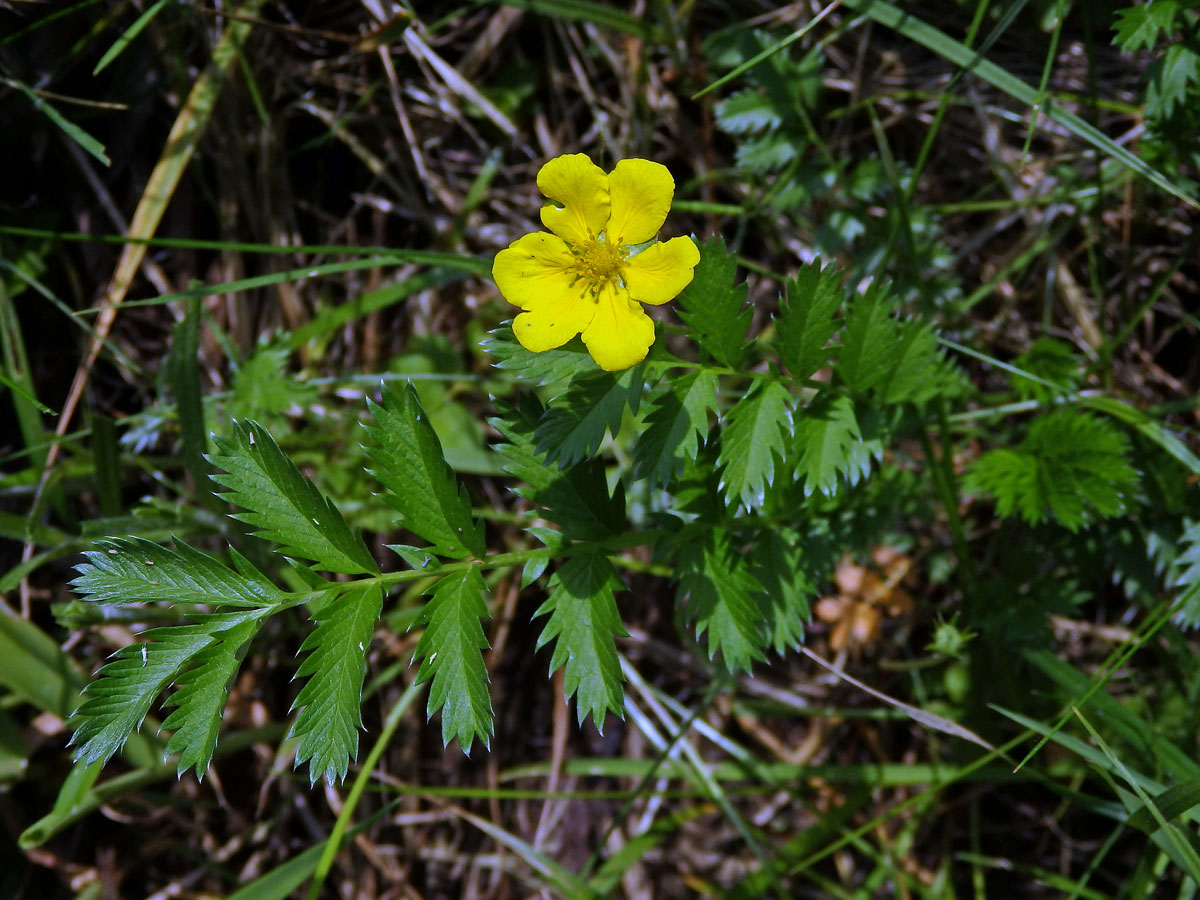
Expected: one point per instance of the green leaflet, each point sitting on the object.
(449, 651)
(200, 696)
(719, 594)
(868, 341)
(1052, 362)
(420, 485)
(264, 386)
(1138, 27)
(711, 306)
(584, 623)
(919, 372)
(779, 565)
(697, 489)
(677, 419)
(1010, 477)
(1184, 574)
(805, 322)
(756, 431)
(831, 445)
(118, 699)
(285, 506)
(532, 368)
(750, 112)
(134, 570)
(1170, 80)
(768, 153)
(574, 427)
(329, 719)
(1071, 466)
(578, 498)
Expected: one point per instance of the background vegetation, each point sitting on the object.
(947, 475)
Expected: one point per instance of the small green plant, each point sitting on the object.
(753, 476)
(731, 445)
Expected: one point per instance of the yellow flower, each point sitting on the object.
(584, 278)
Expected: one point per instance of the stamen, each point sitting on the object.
(599, 263)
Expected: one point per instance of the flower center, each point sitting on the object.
(598, 263)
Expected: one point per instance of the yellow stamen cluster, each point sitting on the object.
(598, 263)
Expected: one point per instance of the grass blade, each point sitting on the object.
(16, 376)
(183, 375)
(35, 668)
(128, 36)
(69, 128)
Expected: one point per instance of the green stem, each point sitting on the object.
(495, 561)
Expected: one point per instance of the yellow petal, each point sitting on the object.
(620, 333)
(661, 271)
(580, 188)
(640, 192)
(550, 325)
(535, 269)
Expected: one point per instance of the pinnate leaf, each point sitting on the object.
(285, 506)
(712, 306)
(577, 498)
(756, 432)
(119, 697)
(450, 651)
(678, 418)
(546, 367)
(805, 322)
(720, 595)
(584, 623)
(1071, 467)
(574, 427)
(420, 485)
(329, 719)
